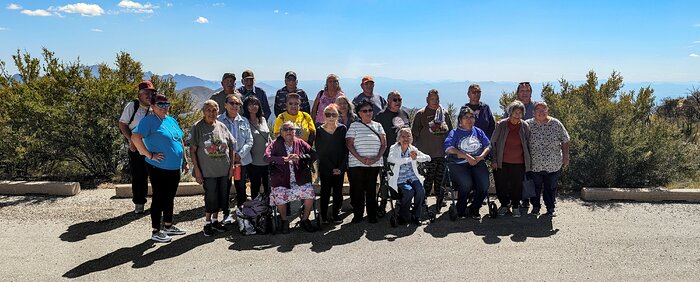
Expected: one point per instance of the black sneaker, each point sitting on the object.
(285, 227)
(307, 226)
(208, 230)
(535, 211)
(401, 221)
(356, 219)
(337, 219)
(217, 226)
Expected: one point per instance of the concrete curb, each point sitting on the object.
(184, 189)
(640, 194)
(39, 187)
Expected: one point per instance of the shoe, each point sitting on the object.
(161, 237)
(337, 219)
(356, 219)
(551, 213)
(173, 230)
(325, 220)
(307, 226)
(208, 230)
(229, 219)
(217, 226)
(535, 211)
(503, 210)
(417, 222)
(139, 209)
(516, 212)
(401, 221)
(285, 227)
(475, 215)
(372, 220)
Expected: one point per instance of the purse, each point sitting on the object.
(528, 187)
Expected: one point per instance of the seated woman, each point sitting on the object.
(471, 146)
(290, 159)
(405, 158)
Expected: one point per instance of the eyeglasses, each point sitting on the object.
(234, 103)
(469, 117)
(328, 115)
(286, 129)
(396, 100)
(292, 104)
(475, 91)
(524, 83)
(163, 105)
(366, 111)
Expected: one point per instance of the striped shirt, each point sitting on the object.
(367, 144)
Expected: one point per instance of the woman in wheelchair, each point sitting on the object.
(405, 178)
(470, 145)
(290, 177)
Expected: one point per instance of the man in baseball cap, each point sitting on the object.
(378, 102)
(249, 88)
(228, 82)
(290, 82)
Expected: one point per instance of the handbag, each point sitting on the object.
(528, 187)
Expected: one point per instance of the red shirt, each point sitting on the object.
(513, 150)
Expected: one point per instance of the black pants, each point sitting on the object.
(509, 184)
(433, 174)
(139, 177)
(164, 183)
(258, 175)
(363, 188)
(215, 197)
(331, 183)
(241, 195)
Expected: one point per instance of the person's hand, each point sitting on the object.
(472, 161)
(414, 155)
(132, 147)
(198, 176)
(237, 158)
(494, 165)
(565, 161)
(336, 171)
(157, 157)
(186, 168)
(479, 158)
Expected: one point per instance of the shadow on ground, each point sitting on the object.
(6, 200)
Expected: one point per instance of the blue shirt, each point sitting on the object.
(165, 137)
(472, 142)
(406, 170)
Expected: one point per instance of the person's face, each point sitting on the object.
(210, 114)
(366, 113)
(516, 115)
(229, 84)
(541, 113)
(287, 132)
(332, 84)
(467, 121)
(145, 96)
(161, 108)
(368, 87)
(525, 93)
(253, 108)
(474, 95)
(395, 103)
(433, 100)
(342, 105)
(331, 115)
(233, 107)
(405, 138)
(291, 82)
(248, 82)
(293, 106)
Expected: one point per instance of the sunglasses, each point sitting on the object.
(475, 91)
(366, 111)
(330, 115)
(287, 129)
(234, 103)
(292, 104)
(163, 105)
(524, 83)
(396, 100)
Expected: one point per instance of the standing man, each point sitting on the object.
(290, 82)
(133, 112)
(392, 119)
(524, 94)
(249, 88)
(482, 111)
(228, 82)
(430, 127)
(378, 103)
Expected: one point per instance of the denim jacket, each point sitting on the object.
(243, 136)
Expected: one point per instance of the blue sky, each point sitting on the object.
(414, 40)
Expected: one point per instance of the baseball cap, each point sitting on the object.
(247, 74)
(146, 85)
(227, 75)
(290, 73)
(367, 78)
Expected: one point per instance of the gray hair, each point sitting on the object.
(288, 123)
(515, 105)
(210, 103)
(540, 103)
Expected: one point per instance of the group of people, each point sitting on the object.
(233, 145)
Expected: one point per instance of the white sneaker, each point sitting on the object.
(516, 212)
(174, 230)
(229, 219)
(161, 237)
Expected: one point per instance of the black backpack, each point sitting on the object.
(133, 114)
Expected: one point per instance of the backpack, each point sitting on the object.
(133, 114)
(253, 216)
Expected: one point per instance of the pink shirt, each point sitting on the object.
(324, 101)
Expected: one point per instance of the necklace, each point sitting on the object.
(172, 135)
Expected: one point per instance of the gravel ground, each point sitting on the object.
(93, 236)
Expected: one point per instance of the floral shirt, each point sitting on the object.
(545, 144)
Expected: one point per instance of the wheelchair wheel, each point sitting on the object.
(431, 216)
(453, 213)
(493, 210)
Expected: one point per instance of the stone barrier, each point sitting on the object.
(39, 187)
(640, 194)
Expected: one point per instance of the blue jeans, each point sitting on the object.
(464, 178)
(417, 193)
(544, 182)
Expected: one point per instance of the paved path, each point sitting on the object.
(95, 237)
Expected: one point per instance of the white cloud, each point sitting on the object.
(85, 10)
(202, 20)
(693, 55)
(276, 11)
(13, 6)
(136, 7)
(96, 30)
(3, 28)
(36, 13)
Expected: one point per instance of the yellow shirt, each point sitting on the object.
(305, 125)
